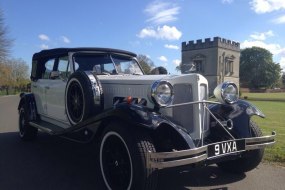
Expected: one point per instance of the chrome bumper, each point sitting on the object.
(162, 160)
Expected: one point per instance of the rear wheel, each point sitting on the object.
(250, 159)
(123, 161)
(26, 132)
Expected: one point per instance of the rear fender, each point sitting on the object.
(240, 113)
(28, 102)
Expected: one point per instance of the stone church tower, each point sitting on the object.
(217, 60)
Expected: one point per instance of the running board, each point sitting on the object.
(48, 127)
(82, 135)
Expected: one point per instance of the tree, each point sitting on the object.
(13, 73)
(283, 79)
(178, 68)
(146, 63)
(159, 71)
(257, 68)
(5, 42)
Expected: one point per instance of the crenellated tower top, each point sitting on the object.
(208, 43)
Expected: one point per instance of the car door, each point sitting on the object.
(40, 86)
(55, 93)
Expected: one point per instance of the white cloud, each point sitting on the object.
(65, 39)
(169, 46)
(275, 49)
(262, 36)
(162, 58)
(258, 40)
(176, 62)
(165, 32)
(147, 32)
(279, 20)
(162, 12)
(44, 46)
(43, 37)
(266, 6)
(227, 1)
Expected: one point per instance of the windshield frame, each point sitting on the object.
(110, 55)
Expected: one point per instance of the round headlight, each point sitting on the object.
(162, 93)
(226, 92)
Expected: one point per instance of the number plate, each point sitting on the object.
(226, 147)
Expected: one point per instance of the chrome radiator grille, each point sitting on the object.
(183, 115)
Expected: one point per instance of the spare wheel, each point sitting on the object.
(79, 97)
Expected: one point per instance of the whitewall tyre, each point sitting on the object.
(122, 158)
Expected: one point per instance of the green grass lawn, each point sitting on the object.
(265, 96)
(2, 92)
(275, 120)
(11, 92)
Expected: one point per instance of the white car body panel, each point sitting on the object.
(38, 89)
(55, 96)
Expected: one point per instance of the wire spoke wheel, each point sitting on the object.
(116, 162)
(75, 101)
(122, 158)
(26, 132)
(80, 100)
(22, 123)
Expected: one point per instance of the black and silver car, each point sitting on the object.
(143, 123)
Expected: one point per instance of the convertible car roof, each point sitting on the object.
(62, 51)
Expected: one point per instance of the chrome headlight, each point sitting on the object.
(226, 92)
(162, 93)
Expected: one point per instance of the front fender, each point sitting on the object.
(137, 115)
(240, 113)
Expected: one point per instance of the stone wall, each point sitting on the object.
(215, 55)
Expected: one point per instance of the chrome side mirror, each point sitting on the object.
(54, 74)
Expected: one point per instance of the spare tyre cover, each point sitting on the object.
(83, 97)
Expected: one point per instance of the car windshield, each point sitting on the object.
(106, 64)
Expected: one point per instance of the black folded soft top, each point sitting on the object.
(61, 51)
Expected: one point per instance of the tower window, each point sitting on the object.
(198, 65)
(229, 67)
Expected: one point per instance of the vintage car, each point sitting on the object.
(143, 123)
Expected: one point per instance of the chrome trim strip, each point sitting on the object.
(157, 159)
(189, 103)
(95, 88)
(259, 146)
(260, 139)
(176, 163)
(47, 130)
(176, 154)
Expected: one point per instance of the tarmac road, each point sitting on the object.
(51, 163)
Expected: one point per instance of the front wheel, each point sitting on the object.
(123, 161)
(250, 159)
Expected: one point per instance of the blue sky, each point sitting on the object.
(153, 28)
